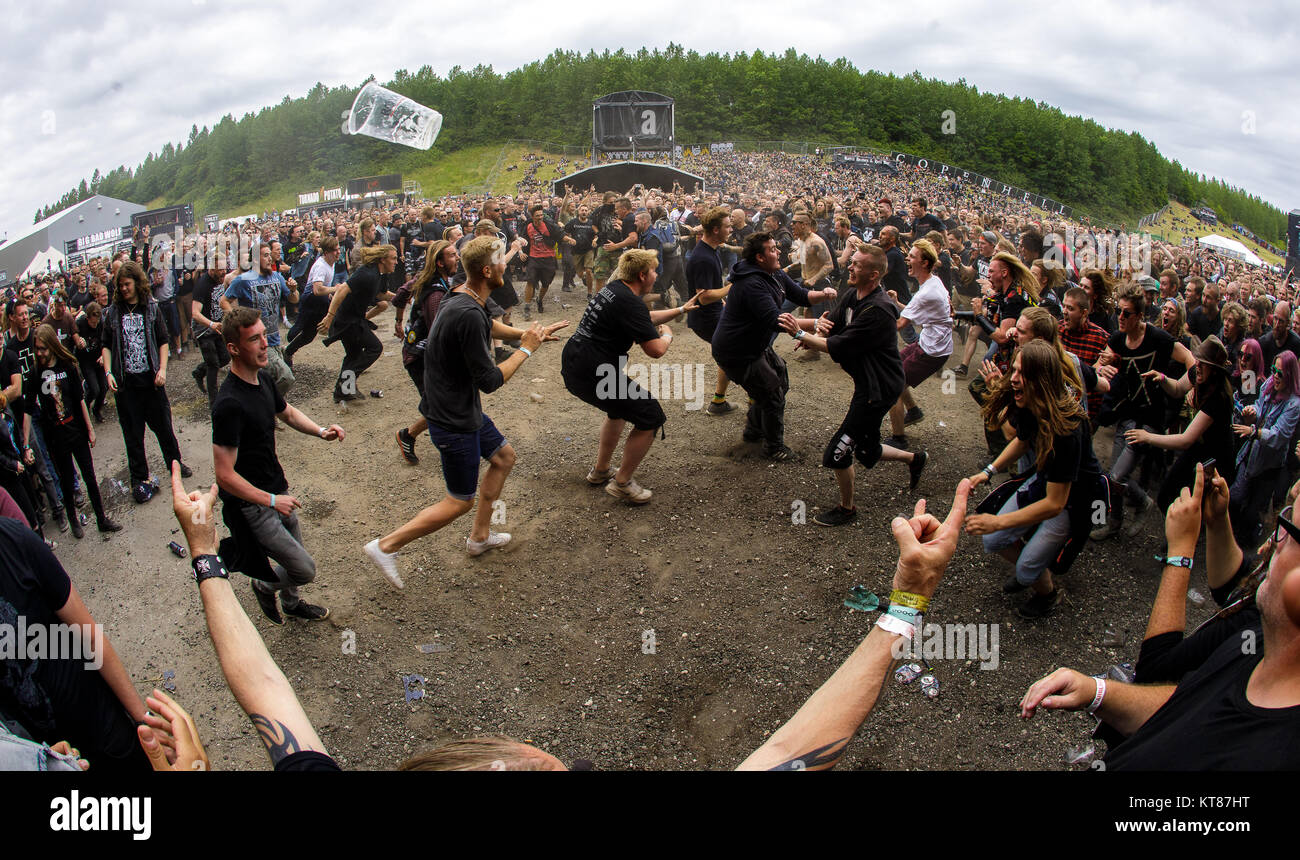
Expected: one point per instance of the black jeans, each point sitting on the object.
(68, 443)
(766, 381)
(96, 384)
(139, 407)
(362, 349)
(16, 486)
(303, 331)
(215, 357)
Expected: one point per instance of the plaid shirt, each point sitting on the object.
(1087, 345)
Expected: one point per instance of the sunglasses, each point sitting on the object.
(1127, 314)
(1285, 527)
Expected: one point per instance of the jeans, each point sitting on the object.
(1048, 538)
(362, 349)
(766, 381)
(280, 537)
(215, 357)
(1125, 459)
(66, 445)
(92, 374)
(45, 468)
(139, 407)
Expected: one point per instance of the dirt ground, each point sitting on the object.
(547, 640)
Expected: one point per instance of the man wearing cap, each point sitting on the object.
(1151, 289)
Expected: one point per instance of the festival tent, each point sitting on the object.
(1232, 248)
(45, 262)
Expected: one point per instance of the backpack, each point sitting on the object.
(666, 232)
(417, 327)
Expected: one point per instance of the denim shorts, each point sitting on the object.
(461, 453)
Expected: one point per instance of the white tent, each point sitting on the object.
(1232, 248)
(46, 261)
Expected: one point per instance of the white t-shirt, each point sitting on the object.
(929, 309)
(320, 271)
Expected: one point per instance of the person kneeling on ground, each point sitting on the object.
(1050, 510)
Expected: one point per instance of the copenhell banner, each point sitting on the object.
(940, 169)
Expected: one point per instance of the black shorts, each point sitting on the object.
(611, 391)
(416, 371)
(540, 270)
(858, 437)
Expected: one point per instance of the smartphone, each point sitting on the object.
(1209, 465)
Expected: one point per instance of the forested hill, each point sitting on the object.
(1109, 174)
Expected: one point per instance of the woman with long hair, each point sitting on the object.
(1266, 431)
(1036, 517)
(1101, 291)
(424, 294)
(65, 424)
(1209, 435)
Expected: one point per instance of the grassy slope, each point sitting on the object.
(1177, 223)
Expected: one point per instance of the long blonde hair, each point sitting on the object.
(1046, 396)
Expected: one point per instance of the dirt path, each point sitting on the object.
(548, 640)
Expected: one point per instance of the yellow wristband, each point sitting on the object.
(908, 599)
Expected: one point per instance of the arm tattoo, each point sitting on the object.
(822, 758)
(280, 742)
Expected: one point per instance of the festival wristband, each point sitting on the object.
(1176, 560)
(894, 624)
(1101, 694)
(990, 470)
(913, 601)
(323, 431)
(526, 351)
(208, 567)
(799, 334)
(272, 504)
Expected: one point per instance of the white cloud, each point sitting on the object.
(124, 78)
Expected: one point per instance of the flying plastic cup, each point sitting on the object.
(385, 115)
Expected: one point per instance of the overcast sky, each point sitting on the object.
(97, 85)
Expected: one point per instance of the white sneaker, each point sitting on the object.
(494, 540)
(385, 562)
(631, 492)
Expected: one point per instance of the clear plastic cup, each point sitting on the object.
(385, 115)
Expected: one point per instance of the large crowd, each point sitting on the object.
(1067, 334)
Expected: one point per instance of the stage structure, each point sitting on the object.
(624, 126)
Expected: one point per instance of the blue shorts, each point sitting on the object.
(461, 453)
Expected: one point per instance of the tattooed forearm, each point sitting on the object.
(822, 758)
(280, 742)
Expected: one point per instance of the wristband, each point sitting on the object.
(272, 504)
(799, 335)
(906, 598)
(526, 351)
(990, 470)
(904, 613)
(894, 624)
(208, 567)
(323, 431)
(1101, 694)
(1176, 560)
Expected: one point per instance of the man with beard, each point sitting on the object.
(742, 343)
(264, 289)
(347, 319)
(615, 232)
(543, 235)
(580, 236)
(458, 365)
(252, 481)
(704, 284)
(860, 334)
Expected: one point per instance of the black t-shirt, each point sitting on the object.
(1208, 723)
(583, 233)
(364, 284)
(1131, 396)
(243, 417)
(8, 367)
(93, 336)
(1270, 347)
(458, 365)
(1200, 324)
(608, 225)
(54, 699)
(923, 225)
(1071, 460)
(1009, 306)
(615, 319)
(60, 395)
(133, 349)
(896, 277)
(703, 272)
(22, 354)
(307, 761)
(207, 292)
(1218, 441)
(864, 341)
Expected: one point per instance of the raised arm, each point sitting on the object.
(253, 676)
(816, 736)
